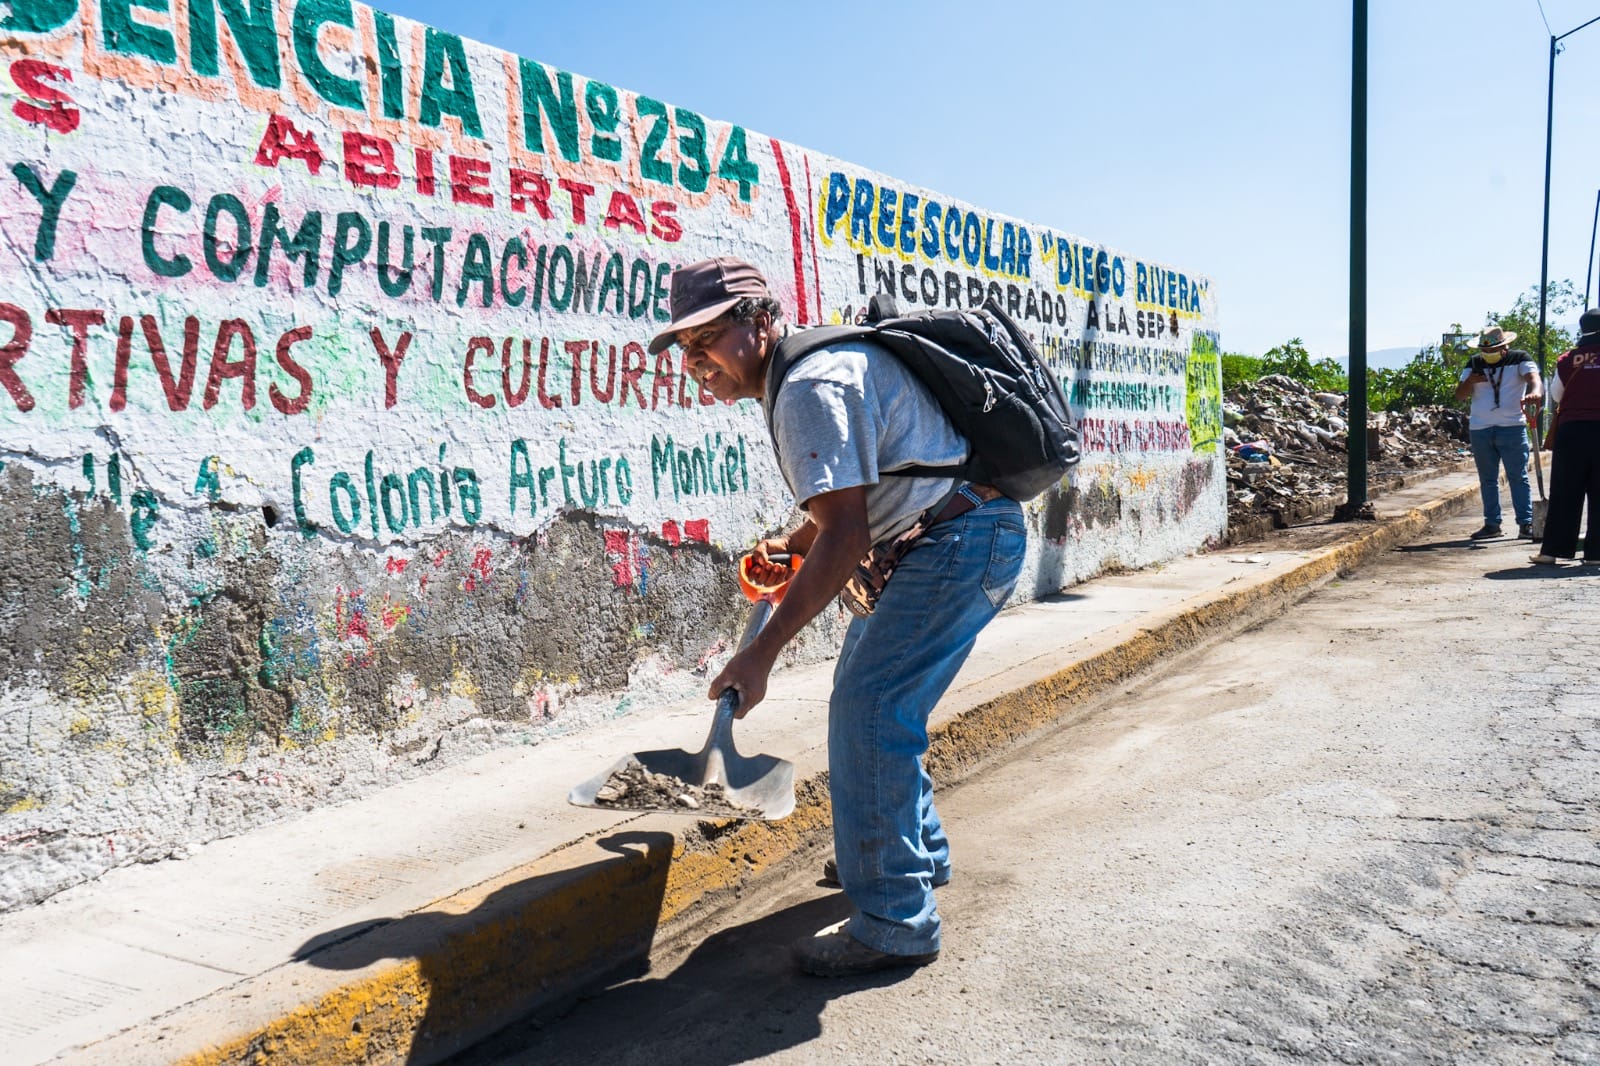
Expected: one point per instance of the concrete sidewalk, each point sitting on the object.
(407, 925)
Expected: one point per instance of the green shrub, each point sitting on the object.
(1239, 369)
(1430, 378)
(1292, 360)
(1289, 359)
(1524, 319)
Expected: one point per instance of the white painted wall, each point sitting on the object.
(282, 534)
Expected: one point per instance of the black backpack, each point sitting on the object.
(991, 382)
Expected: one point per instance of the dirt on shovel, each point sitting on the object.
(634, 788)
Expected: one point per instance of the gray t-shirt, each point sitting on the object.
(848, 413)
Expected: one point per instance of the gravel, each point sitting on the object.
(635, 788)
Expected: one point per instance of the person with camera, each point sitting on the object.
(1503, 384)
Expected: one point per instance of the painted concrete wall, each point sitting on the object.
(329, 449)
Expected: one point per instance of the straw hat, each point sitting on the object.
(1495, 337)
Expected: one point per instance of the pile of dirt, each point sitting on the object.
(1287, 456)
(633, 788)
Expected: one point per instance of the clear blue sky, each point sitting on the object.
(1212, 136)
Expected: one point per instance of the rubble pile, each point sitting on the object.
(1286, 449)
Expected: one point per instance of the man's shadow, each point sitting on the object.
(481, 970)
(737, 997)
(479, 991)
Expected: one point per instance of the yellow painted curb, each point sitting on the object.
(543, 933)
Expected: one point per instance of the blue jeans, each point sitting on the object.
(893, 667)
(1493, 448)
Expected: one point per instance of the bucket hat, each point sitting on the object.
(705, 290)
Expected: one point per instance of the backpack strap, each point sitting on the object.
(796, 345)
(790, 349)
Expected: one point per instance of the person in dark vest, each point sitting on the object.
(1575, 461)
(1503, 384)
(846, 416)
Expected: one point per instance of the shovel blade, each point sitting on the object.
(762, 783)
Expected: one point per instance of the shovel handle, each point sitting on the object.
(728, 701)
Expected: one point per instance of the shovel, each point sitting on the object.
(762, 784)
(1541, 505)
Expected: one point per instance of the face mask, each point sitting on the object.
(1492, 357)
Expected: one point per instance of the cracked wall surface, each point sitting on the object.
(330, 449)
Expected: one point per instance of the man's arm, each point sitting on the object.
(1464, 386)
(1533, 396)
(839, 540)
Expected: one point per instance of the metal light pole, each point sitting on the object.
(1593, 227)
(1356, 504)
(1549, 128)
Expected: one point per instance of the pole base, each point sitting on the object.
(1348, 512)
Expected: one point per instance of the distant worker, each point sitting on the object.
(1503, 384)
(1575, 463)
(846, 417)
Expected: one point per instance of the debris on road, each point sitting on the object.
(1287, 448)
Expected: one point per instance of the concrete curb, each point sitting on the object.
(428, 985)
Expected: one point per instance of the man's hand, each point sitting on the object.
(832, 540)
(746, 673)
(762, 570)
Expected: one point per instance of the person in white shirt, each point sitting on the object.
(1503, 384)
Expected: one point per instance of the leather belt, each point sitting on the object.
(966, 498)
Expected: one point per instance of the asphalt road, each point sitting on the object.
(1367, 831)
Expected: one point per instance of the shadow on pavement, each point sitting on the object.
(1441, 545)
(1060, 597)
(489, 964)
(1542, 572)
(737, 997)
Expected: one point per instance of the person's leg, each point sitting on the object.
(934, 842)
(1568, 476)
(1512, 444)
(1487, 460)
(901, 661)
(1591, 454)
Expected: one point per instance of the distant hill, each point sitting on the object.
(1386, 358)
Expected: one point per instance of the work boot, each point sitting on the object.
(830, 876)
(1525, 531)
(1489, 531)
(835, 953)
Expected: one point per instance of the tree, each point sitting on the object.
(1292, 360)
(1429, 379)
(1523, 318)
